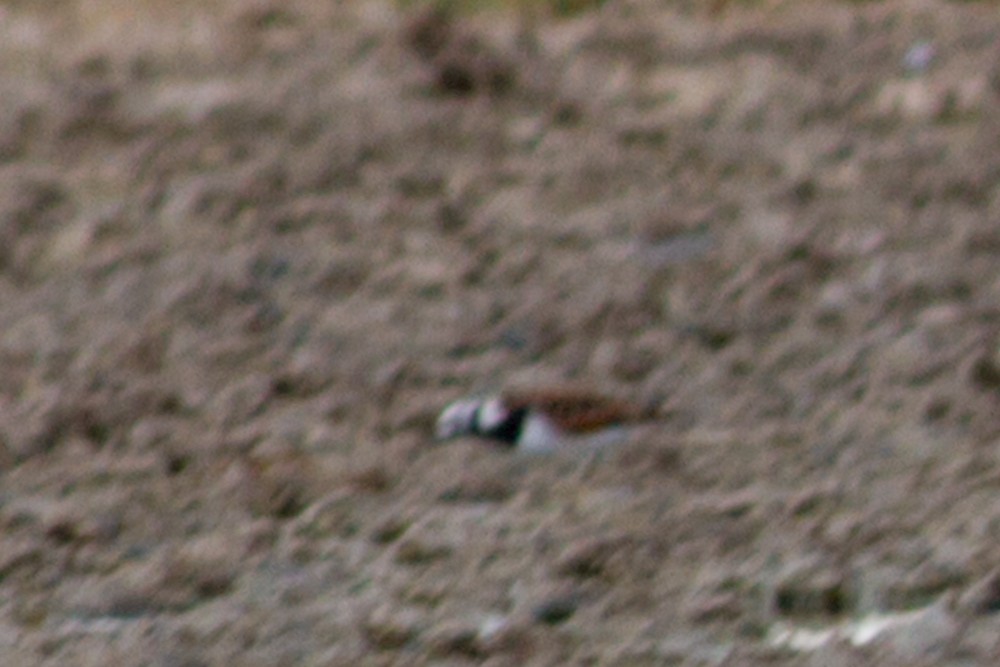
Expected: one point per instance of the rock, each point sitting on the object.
(555, 610)
(417, 551)
(985, 372)
(983, 596)
(20, 558)
(208, 565)
(390, 529)
(716, 606)
(332, 515)
(589, 557)
(390, 627)
(455, 638)
(809, 589)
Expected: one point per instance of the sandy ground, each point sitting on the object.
(248, 250)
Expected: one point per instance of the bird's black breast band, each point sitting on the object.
(507, 431)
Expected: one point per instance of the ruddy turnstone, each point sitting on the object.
(539, 421)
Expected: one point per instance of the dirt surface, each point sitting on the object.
(249, 250)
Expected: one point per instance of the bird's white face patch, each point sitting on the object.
(491, 414)
(457, 419)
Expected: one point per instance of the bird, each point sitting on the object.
(540, 420)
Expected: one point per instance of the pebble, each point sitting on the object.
(588, 557)
(983, 596)
(555, 611)
(390, 627)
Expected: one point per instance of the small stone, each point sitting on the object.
(810, 590)
(985, 373)
(333, 514)
(390, 530)
(278, 485)
(241, 400)
(918, 57)
(716, 606)
(587, 558)
(493, 626)
(415, 551)
(389, 627)
(983, 597)
(63, 531)
(908, 98)
(137, 589)
(205, 565)
(455, 638)
(26, 556)
(30, 612)
(429, 32)
(498, 633)
(556, 610)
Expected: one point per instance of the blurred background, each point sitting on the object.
(249, 249)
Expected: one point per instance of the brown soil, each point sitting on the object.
(249, 249)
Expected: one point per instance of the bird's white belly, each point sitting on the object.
(540, 436)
